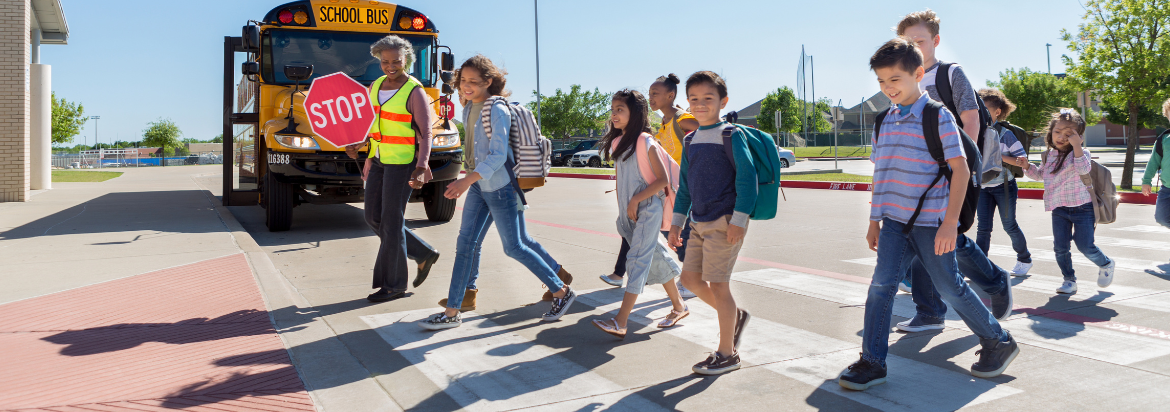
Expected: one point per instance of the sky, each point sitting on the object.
(133, 62)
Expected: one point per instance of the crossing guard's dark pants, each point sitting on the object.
(387, 193)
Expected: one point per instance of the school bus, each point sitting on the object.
(278, 166)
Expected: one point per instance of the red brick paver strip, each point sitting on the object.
(194, 337)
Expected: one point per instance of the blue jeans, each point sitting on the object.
(502, 206)
(896, 253)
(972, 263)
(1075, 224)
(1162, 210)
(1004, 197)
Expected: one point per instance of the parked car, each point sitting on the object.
(562, 157)
(591, 158)
(787, 158)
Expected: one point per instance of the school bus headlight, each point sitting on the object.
(445, 140)
(297, 142)
(301, 17)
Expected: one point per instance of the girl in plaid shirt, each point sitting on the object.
(1067, 197)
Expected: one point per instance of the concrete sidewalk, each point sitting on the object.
(132, 294)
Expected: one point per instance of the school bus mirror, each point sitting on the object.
(250, 68)
(251, 38)
(298, 72)
(447, 62)
(447, 89)
(447, 76)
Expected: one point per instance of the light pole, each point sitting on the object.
(1048, 52)
(536, 18)
(95, 135)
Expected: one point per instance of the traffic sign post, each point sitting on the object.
(339, 109)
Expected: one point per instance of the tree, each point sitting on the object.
(576, 112)
(1149, 116)
(217, 139)
(1037, 95)
(162, 133)
(68, 118)
(793, 120)
(1124, 54)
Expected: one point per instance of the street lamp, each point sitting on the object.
(1048, 51)
(95, 135)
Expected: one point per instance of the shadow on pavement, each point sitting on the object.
(112, 338)
(160, 211)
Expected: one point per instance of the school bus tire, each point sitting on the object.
(438, 207)
(278, 202)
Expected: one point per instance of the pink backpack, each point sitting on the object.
(648, 175)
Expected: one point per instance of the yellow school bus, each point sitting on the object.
(279, 166)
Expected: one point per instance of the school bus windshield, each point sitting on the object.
(331, 52)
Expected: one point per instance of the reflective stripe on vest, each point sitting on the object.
(392, 138)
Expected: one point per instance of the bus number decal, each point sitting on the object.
(358, 15)
(278, 158)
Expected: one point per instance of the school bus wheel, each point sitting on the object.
(278, 203)
(438, 207)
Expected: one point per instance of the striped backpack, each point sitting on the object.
(531, 150)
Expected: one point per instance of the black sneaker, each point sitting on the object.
(441, 321)
(717, 364)
(383, 295)
(995, 356)
(424, 269)
(560, 306)
(1001, 303)
(862, 374)
(741, 320)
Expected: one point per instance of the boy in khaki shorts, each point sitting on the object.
(723, 194)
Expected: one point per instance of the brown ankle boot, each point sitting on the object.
(468, 301)
(566, 278)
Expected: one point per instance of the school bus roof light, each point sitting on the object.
(419, 22)
(285, 16)
(301, 17)
(404, 22)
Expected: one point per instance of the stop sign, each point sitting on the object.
(339, 109)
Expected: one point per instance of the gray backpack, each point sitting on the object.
(1101, 189)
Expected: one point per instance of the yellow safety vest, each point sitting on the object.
(392, 139)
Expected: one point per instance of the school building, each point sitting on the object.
(25, 90)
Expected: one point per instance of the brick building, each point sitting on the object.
(25, 88)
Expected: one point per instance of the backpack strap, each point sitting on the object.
(727, 149)
(942, 83)
(1158, 143)
(877, 123)
(930, 134)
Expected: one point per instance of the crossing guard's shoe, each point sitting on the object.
(862, 374)
(995, 356)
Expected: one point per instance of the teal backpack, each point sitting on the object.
(765, 157)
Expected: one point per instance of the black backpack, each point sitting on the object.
(1158, 143)
(1023, 137)
(942, 82)
(934, 144)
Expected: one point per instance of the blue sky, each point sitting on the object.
(132, 62)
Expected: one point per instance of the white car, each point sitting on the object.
(591, 158)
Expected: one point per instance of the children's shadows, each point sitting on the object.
(124, 336)
(1162, 272)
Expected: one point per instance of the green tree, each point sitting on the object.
(1037, 95)
(68, 118)
(784, 100)
(162, 133)
(1149, 116)
(1124, 54)
(576, 112)
(217, 139)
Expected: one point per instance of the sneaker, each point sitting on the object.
(1068, 287)
(468, 301)
(1001, 303)
(1021, 269)
(918, 324)
(610, 281)
(717, 364)
(441, 321)
(904, 287)
(560, 306)
(861, 375)
(1105, 274)
(741, 320)
(995, 356)
(684, 292)
(566, 278)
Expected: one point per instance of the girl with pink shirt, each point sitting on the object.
(1069, 199)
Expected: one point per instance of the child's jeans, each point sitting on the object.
(896, 252)
(1075, 224)
(973, 264)
(1162, 210)
(502, 206)
(1004, 197)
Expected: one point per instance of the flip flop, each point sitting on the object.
(673, 318)
(610, 327)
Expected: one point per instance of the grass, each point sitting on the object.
(83, 176)
(827, 151)
(581, 171)
(831, 177)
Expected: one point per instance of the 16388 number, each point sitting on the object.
(278, 158)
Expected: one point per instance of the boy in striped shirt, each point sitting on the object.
(903, 169)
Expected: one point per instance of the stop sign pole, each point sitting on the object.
(339, 109)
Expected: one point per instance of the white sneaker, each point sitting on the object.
(902, 287)
(1105, 274)
(683, 291)
(1021, 269)
(1068, 287)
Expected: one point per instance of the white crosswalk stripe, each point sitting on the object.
(1120, 242)
(1143, 229)
(1069, 337)
(1132, 265)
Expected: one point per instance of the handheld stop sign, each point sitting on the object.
(339, 109)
